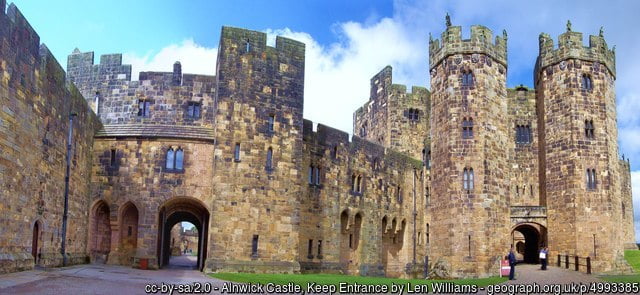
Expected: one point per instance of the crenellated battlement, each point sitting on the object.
(481, 41)
(329, 137)
(238, 39)
(570, 46)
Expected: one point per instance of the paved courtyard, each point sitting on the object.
(111, 279)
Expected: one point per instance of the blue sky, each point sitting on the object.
(347, 42)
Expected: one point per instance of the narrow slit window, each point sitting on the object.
(179, 159)
(113, 158)
(254, 246)
(310, 174)
(310, 249)
(317, 175)
(236, 153)
(269, 163)
(319, 249)
(271, 122)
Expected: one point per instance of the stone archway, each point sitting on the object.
(128, 232)
(529, 239)
(177, 210)
(100, 233)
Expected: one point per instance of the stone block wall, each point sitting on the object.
(366, 229)
(394, 117)
(524, 184)
(259, 108)
(578, 213)
(35, 103)
(471, 227)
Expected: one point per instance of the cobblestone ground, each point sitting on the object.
(110, 279)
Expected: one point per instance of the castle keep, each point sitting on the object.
(447, 178)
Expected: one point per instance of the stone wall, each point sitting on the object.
(394, 117)
(471, 227)
(35, 103)
(582, 220)
(524, 184)
(365, 229)
(629, 237)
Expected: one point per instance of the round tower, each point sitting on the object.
(469, 207)
(580, 171)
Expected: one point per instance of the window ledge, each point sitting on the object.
(237, 160)
(175, 171)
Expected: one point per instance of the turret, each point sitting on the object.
(469, 140)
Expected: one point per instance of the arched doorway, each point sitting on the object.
(528, 239)
(180, 210)
(35, 243)
(100, 234)
(128, 232)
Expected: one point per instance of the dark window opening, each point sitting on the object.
(144, 108)
(319, 249)
(317, 175)
(271, 122)
(129, 231)
(427, 233)
(586, 82)
(467, 128)
(334, 153)
(194, 109)
(399, 195)
(113, 158)
(310, 249)
(254, 246)
(350, 241)
(269, 164)
(523, 134)
(247, 46)
(413, 114)
(589, 131)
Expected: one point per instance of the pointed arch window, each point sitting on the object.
(174, 159)
(586, 82)
(467, 179)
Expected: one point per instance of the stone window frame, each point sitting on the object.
(254, 246)
(271, 123)
(192, 106)
(236, 152)
(468, 179)
(523, 134)
(467, 128)
(144, 108)
(269, 160)
(586, 82)
(467, 78)
(592, 181)
(589, 130)
(171, 166)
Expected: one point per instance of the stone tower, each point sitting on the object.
(469, 136)
(580, 169)
(258, 153)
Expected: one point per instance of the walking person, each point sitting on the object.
(512, 264)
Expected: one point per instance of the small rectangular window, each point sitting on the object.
(236, 153)
(272, 120)
(193, 110)
(144, 108)
(254, 246)
(319, 249)
(310, 249)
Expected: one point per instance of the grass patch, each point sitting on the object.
(334, 279)
(622, 278)
(633, 258)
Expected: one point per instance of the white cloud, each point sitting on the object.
(337, 75)
(195, 59)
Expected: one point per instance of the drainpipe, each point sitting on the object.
(66, 192)
(414, 217)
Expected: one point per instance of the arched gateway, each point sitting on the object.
(528, 238)
(182, 209)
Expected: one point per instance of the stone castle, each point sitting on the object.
(447, 178)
